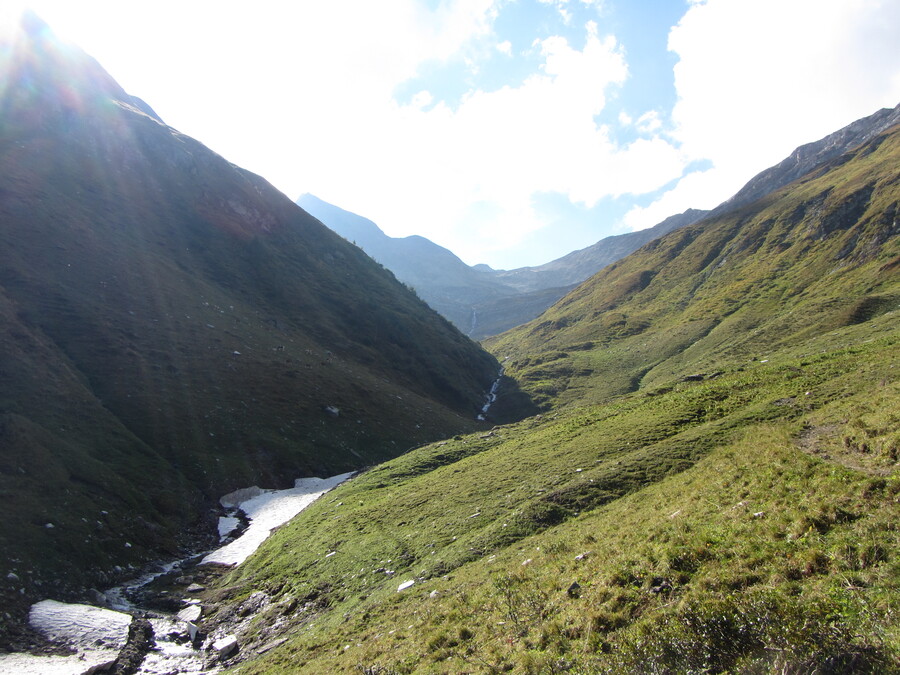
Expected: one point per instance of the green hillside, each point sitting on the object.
(817, 256)
(712, 486)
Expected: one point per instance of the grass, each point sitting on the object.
(674, 510)
(817, 255)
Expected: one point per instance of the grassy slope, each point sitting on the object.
(744, 521)
(606, 481)
(810, 258)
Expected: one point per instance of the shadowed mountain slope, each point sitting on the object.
(174, 328)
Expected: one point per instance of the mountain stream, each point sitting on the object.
(99, 636)
(491, 397)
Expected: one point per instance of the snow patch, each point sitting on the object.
(96, 634)
(266, 510)
(80, 625)
(227, 525)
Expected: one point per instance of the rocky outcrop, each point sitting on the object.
(807, 157)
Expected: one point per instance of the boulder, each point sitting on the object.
(224, 647)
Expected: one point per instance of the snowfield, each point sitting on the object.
(267, 510)
(96, 634)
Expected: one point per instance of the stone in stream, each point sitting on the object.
(190, 614)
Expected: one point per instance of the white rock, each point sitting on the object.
(225, 646)
(190, 613)
(405, 585)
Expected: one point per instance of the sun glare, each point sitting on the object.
(10, 12)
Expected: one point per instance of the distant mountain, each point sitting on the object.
(479, 300)
(577, 266)
(438, 276)
(483, 302)
(172, 328)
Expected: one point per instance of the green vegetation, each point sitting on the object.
(708, 521)
(818, 255)
(712, 485)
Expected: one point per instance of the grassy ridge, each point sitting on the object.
(815, 256)
(462, 517)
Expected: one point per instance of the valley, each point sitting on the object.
(674, 451)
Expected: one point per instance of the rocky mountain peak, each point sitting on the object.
(807, 157)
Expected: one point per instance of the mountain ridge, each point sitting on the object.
(483, 309)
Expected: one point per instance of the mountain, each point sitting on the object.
(484, 302)
(712, 485)
(440, 278)
(807, 157)
(577, 266)
(174, 328)
(809, 258)
(479, 300)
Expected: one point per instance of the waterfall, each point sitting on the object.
(491, 397)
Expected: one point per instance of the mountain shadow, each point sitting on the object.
(173, 328)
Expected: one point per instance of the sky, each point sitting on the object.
(509, 131)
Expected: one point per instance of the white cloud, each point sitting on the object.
(756, 78)
(537, 138)
(423, 99)
(649, 122)
(303, 93)
(693, 190)
(475, 169)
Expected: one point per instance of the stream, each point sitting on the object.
(491, 397)
(99, 635)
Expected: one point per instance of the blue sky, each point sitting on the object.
(510, 131)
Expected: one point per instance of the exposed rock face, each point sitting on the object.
(807, 157)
